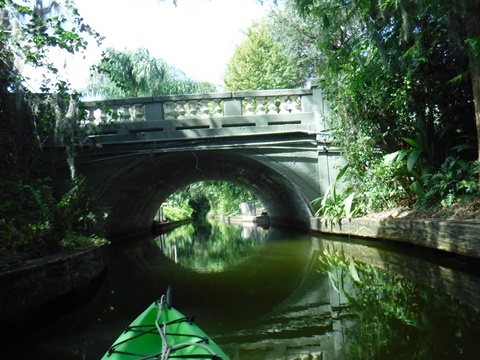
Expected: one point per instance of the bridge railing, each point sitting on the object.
(213, 115)
(179, 107)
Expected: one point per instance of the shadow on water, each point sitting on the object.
(261, 295)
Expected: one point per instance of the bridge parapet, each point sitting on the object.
(177, 107)
(226, 114)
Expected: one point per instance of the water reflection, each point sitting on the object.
(210, 245)
(391, 311)
(273, 302)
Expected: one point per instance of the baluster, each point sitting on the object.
(295, 105)
(261, 106)
(123, 113)
(217, 110)
(115, 114)
(204, 109)
(168, 110)
(180, 106)
(283, 105)
(193, 107)
(272, 107)
(137, 112)
(130, 115)
(103, 116)
(91, 115)
(248, 106)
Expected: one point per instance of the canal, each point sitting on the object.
(274, 294)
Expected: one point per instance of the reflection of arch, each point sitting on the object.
(211, 245)
(135, 194)
(253, 287)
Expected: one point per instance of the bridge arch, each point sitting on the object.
(135, 192)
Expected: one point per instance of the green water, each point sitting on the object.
(276, 294)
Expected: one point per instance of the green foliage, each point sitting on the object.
(28, 34)
(297, 36)
(207, 197)
(394, 72)
(26, 212)
(381, 186)
(416, 164)
(455, 181)
(224, 197)
(33, 222)
(334, 206)
(136, 73)
(259, 63)
(79, 210)
(392, 180)
(174, 213)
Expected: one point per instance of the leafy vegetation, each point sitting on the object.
(334, 206)
(259, 63)
(297, 36)
(29, 34)
(136, 73)
(207, 197)
(400, 85)
(36, 220)
(454, 182)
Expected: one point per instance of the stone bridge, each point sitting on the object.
(274, 143)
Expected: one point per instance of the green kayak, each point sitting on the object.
(161, 332)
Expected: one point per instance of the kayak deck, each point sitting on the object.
(162, 332)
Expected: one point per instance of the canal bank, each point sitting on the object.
(25, 290)
(259, 220)
(455, 236)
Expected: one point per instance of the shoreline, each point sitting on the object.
(40, 281)
(461, 237)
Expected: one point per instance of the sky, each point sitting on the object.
(197, 36)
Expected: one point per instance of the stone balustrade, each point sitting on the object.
(195, 106)
(213, 115)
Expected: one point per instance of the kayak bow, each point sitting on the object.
(162, 332)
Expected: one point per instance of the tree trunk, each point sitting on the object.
(472, 25)
(476, 99)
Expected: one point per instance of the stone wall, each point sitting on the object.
(459, 237)
(40, 281)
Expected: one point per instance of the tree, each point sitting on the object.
(34, 219)
(28, 35)
(260, 63)
(414, 56)
(212, 196)
(298, 36)
(224, 197)
(136, 73)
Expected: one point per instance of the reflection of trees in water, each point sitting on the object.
(397, 318)
(210, 246)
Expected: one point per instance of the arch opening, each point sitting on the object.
(135, 195)
(210, 198)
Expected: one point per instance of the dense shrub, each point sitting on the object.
(455, 181)
(33, 222)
